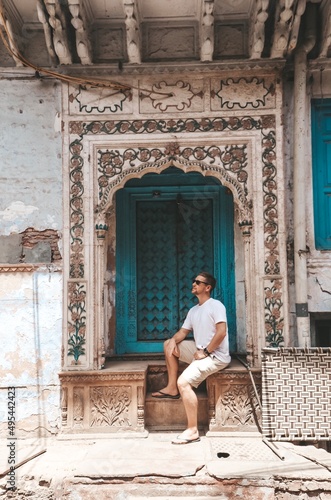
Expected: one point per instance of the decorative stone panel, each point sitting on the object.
(242, 93)
(233, 405)
(174, 95)
(107, 401)
(158, 42)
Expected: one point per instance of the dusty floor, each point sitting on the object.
(151, 467)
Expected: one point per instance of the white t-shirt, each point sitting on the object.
(202, 320)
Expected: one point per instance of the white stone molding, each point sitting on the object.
(7, 23)
(326, 28)
(251, 330)
(57, 22)
(259, 16)
(79, 22)
(207, 31)
(101, 229)
(47, 31)
(133, 37)
(288, 14)
(300, 9)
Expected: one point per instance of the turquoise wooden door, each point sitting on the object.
(321, 149)
(165, 236)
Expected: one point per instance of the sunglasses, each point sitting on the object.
(198, 282)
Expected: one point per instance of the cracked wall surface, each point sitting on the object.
(30, 253)
(31, 319)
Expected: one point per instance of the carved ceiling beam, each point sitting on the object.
(259, 16)
(59, 35)
(285, 21)
(43, 18)
(79, 22)
(301, 7)
(207, 31)
(7, 22)
(133, 35)
(325, 16)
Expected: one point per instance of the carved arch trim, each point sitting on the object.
(243, 203)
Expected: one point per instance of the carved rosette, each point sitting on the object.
(76, 206)
(110, 406)
(270, 199)
(274, 322)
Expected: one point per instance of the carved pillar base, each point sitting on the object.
(104, 401)
(233, 406)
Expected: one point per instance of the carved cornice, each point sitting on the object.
(236, 376)
(152, 69)
(79, 377)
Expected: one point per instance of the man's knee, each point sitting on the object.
(182, 383)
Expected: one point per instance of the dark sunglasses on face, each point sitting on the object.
(198, 282)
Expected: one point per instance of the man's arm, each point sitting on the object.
(218, 337)
(215, 341)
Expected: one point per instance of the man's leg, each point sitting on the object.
(172, 363)
(191, 377)
(190, 402)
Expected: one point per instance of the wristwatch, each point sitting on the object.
(207, 353)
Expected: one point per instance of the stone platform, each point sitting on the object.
(118, 399)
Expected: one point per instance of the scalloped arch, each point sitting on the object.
(240, 199)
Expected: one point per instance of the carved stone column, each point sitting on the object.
(101, 229)
(251, 339)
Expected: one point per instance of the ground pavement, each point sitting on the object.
(136, 467)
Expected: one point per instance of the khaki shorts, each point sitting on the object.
(198, 369)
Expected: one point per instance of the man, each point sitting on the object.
(207, 354)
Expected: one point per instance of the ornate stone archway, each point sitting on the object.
(234, 151)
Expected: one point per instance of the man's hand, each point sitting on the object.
(199, 354)
(171, 348)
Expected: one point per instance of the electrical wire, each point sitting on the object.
(93, 82)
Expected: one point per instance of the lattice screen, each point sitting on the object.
(296, 394)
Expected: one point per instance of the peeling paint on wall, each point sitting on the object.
(31, 310)
(31, 247)
(31, 152)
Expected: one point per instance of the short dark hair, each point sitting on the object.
(209, 278)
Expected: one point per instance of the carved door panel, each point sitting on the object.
(163, 240)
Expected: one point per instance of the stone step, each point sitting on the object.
(169, 414)
(157, 376)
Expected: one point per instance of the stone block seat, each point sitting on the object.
(118, 399)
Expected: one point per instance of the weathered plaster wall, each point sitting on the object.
(288, 180)
(30, 145)
(319, 266)
(30, 233)
(31, 327)
(319, 263)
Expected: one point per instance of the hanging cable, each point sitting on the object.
(93, 82)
